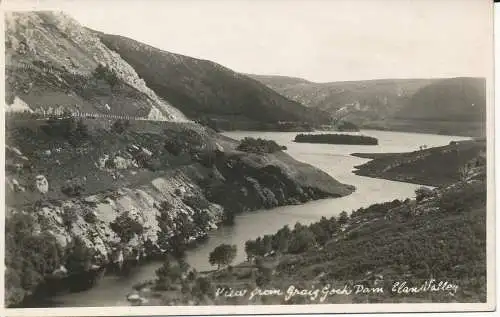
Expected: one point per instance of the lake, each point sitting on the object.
(333, 159)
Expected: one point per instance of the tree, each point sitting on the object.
(79, 257)
(343, 218)
(224, 254)
(164, 276)
(250, 249)
(464, 172)
(301, 240)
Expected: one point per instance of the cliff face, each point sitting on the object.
(52, 61)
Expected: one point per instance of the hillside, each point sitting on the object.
(52, 62)
(434, 166)
(454, 106)
(431, 249)
(207, 91)
(85, 194)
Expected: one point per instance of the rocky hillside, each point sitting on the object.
(52, 62)
(454, 106)
(204, 90)
(121, 194)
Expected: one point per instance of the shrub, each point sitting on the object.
(69, 217)
(422, 193)
(72, 190)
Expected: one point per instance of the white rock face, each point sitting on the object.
(18, 106)
(42, 184)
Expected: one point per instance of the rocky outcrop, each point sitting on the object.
(53, 51)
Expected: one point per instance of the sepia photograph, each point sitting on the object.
(247, 157)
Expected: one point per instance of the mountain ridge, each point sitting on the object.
(412, 105)
(203, 88)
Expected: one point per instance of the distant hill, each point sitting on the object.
(449, 106)
(205, 90)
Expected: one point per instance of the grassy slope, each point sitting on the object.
(203, 88)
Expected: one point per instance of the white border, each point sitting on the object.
(277, 309)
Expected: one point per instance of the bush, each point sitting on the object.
(422, 193)
(72, 190)
(259, 146)
(69, 217)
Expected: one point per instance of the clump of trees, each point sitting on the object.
(126, 228)
(336, 139)
(259, 145)
(346, 126)
(222, 255)
(120, 126)
(173, 240)
(68, 128)
(79, 257)
(176, 275)
(107, 74)
(30, 255)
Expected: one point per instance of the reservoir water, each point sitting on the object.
(333, 159)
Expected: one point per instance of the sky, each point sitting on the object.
(319, 40)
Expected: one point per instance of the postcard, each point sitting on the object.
(247, 157)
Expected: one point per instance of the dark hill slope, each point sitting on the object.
(202, 88)
(454, 99)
